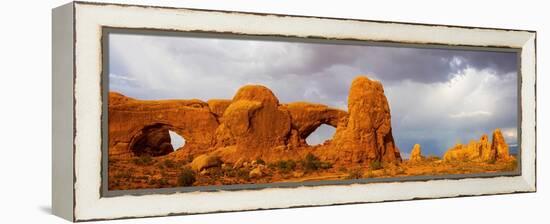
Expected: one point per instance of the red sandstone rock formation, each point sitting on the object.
(487, 153)
(255, 125)
(499, 146)
(480, 150)
(218, 106)
(367, 134)
(307, 117)
(460, 152)
(131, 120)
(254, 122)
(416, 154)
(205, 161)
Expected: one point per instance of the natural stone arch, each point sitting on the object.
(191, 119)
(307, 117)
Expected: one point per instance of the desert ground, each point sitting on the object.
(146, 173)
(253, 138)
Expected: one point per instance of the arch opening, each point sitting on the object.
(156, 140)
(321, 134)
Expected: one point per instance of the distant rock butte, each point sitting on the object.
(481, 150)
(499, 146)
(254, 124)
(416, 154)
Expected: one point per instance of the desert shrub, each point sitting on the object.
(240, 173)
(355, 174)
(230, 172)
(375, 165)
(186, 177)
(285, 165)
(143, 160)
(311, 157)
(260, 161)
(215, 172)
(311, 163)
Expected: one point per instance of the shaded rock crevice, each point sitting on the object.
(153, 140)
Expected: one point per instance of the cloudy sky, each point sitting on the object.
(438, 97)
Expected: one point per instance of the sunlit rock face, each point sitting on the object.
(416, 154)
(253, 123)
(366, 134)
(130, 119)
(500, 146)
(480, 151)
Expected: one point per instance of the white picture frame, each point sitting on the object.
(77, 110)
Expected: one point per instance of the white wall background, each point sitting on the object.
(25, 114)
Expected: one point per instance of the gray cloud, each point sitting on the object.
(437, 96)
(438, 115)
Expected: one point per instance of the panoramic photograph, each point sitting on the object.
(213, 110)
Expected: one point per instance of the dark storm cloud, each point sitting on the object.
(398, 63)
(431, 65)
(500, 62)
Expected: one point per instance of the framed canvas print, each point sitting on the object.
(161, 111)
